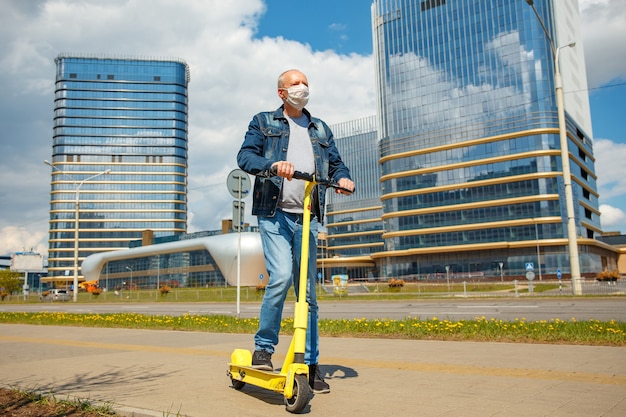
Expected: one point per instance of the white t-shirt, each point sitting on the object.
(300, 154)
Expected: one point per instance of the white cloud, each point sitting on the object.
(603, 29)
(612, 217)
(233, 76)
(610, 168)
(611, 183)
(16, 239)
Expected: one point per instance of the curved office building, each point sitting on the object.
(470, 158)
(119, 155)
(197, 260)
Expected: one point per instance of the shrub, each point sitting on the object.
(165, 289)
(396, 283)
(607, 275)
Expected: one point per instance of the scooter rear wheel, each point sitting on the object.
(237, 384)
(301, 395)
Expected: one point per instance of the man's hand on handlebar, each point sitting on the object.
(283, 169)
(345, 185)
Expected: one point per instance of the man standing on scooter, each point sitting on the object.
(277, 144)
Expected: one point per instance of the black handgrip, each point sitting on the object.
(326, 182)
(310, 177)
(345, 190)
(303, 176)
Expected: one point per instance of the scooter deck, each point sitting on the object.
(271, 380)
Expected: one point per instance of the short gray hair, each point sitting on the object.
(281, 77)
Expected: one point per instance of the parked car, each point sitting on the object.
(55, 294)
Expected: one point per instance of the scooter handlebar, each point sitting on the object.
(326, 182)
(311, 178)
(304, 176)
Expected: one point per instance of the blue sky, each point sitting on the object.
(608, 107)
(347, 30)
(337, 25)
(235, 50)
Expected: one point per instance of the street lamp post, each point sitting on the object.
(538, 252)
(130, 289)
(79, 184)
(567, 176)
(158, 285)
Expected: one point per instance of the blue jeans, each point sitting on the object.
(281, 237)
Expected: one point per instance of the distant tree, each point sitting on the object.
(10, 281)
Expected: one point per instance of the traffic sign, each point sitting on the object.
(530, 266)
(530, 275)
(238, 183)
(559, 274)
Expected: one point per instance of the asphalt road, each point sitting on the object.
(568, 308)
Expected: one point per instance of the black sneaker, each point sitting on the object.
(316, 381)
(262, 360)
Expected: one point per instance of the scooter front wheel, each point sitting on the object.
(301, 395)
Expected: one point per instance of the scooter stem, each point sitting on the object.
(301, 313)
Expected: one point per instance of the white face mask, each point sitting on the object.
(298, 96)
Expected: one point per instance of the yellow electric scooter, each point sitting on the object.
(293, 378)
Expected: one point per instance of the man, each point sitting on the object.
(277, 144)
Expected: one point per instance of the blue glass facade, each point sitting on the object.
(354, 222)
(469, 149)
(128, 116)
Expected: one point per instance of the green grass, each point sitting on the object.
(36, 403)
(379, 291)
(592, 332)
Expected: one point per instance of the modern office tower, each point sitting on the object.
(354, 222)
(119, 155)
(472, 178)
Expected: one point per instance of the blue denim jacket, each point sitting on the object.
(266, 142)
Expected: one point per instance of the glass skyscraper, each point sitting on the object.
(354, 222)
(470, 162)
(128, 117)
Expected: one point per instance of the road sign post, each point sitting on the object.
(530, 275)
(238, 183)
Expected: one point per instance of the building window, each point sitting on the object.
(429, 4)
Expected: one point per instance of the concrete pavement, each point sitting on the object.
(174, 373)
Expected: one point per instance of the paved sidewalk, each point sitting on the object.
(172, 373)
